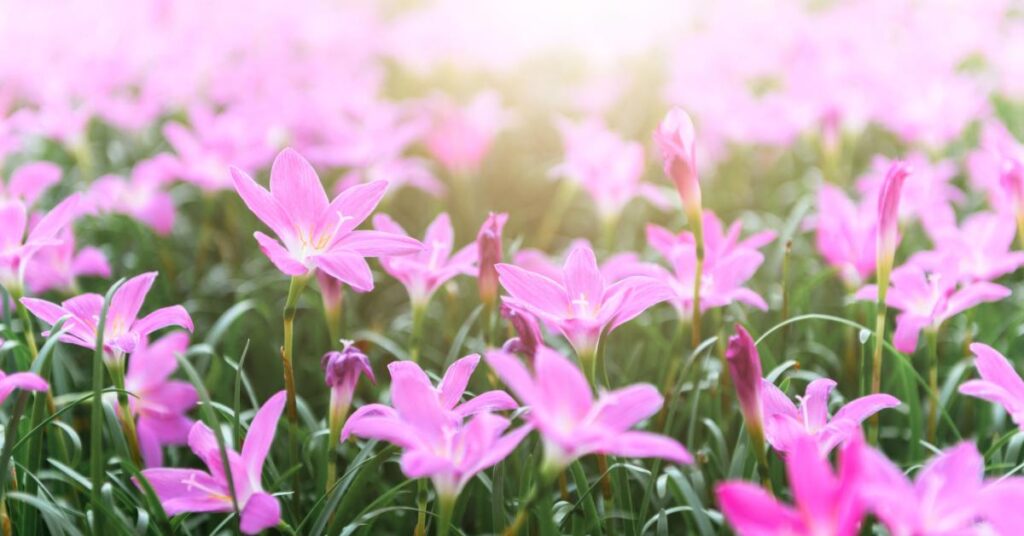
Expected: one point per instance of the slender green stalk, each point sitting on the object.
(336, 418)
(5, 458)
(116, 370)
(876, 366)
(698, 233)
(290, 306)
(419, 314)
(333, 319)
(445, 509)
(422, 493)
(932, 337)
(96, 461)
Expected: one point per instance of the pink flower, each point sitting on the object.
(191, 490)
(428, 424)
(26, 381)
(124, 331)
(675, 138)
(745, 371)
(341, 373)
(562, 407)
(528, 338)
(785, 423)
(141, 196)
(618, 266)
(462, 137)
(17, 249)
(888, 217)
(489, 254)
(1012, 181)
(994, 163)
(59, 266)
(999, 382)
(317, 233)
(826, 503)
(423, 273)
(29, 181)
(846, 235)
(582, 305)
(158, 402)
(728, 263)
(979, 250)
(926, 300)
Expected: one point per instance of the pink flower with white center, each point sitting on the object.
(926, 300)
(17, 249)
(846, 235)
(728, 263)
(124, 331)
(462, 136)
(425, 272)
(825, 502)
(142, 196)
(573, 424)
(999, 382)
(58, 267)
(785, 422)
(582, 305)
(317, 233)
(29, 181)
(194, 491)
(979, 250)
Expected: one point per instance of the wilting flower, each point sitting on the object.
(341, 373)
(17, 249)
(192, 490)
(427, 423)
(26, 381)
(825, 503)
(572, 423)
(124, 330)
(489, 253)
(59, 266)
(926, 300)
(528, 338)
(979, 250)
(846, 234)
(745, 371)
(29, 181)
(583, 304)
(728, 263)
(142, 196)
(675, 139)
(999, 382)
(158, 402)
(784, 422)
(423, 273)
(888, 222)
(462, 137)
(317, 233)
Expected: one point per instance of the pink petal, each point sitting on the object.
(48, 312)
(994, 367)
(421, 463)
(127, 300)
(262, 511)
(297, 189)
(455, 380)
(390, 429)
(622, 409)
(861, 408)
(488, 401)
(354, 205)
(775, 402)
(348, 268)
(501, 448)
(261, 434)
(908, 330)
(204, 444)
(815, 487)
(1000, 505)
(13, 219)
(378, 244)
(534, 290)
(645, 445)
(513, 373)
(783, 431)
(638, 293)
(30, 180)
(973, 295)
(562, 387)
(751, 510)
(262, 204)
(384, 223)
(182, 490)
(280, 256)
(149, 444)
(90, 261)
(26, 381)
(55, 220)
(582, 277)
(174, 315)
(152, 363)
(416, 400)
(815, 403)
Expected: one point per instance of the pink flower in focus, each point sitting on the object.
(979, 250)
(846, 235)
(425, 272)
(341, 373)
(58, 267)
(124, 331)
(926, 300)
(573, 424)
(618, 266)
(29, 181)
(17, 249)
(318, 233)
(999, 382)
(582, 304)
(192, 490)
(825, 503)
(462, 137)
(785, 423)
(142, 196)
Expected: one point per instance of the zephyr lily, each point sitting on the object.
(59, 266)
(785, 422)
(528, 337)
(124, 330)
(489, 254)
(17, 249)
(999, 382)
(318, 233)
(980, 249)
(341, 373)
(845, 234)
(582, 305)
(26, 381)
(675, 139)
(926, 300)
(618, 266)
(158, 403)
(573, 424)
(745, 371)
(825, 503)
(944, 497)
(193, 491)
(999, 504)
(423, 273)
(29, 181)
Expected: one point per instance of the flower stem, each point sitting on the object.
(932, 336)
(445, 507)
(698, 233)
(338, 412)
(333, 319)
(421, 503)
(876, 369)
(419, 313)
(116, 371)
(290, 305)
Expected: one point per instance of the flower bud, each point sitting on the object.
(675, 139)
(341, 372)
(745, 370)
(888, 221)
(488, 242)
(526, 327)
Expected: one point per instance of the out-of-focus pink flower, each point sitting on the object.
(988, 165)
(825, 503)
(192, 490)
(462, 136)
(318, 233)
(17, 249)
(1012, 180)
(888, 217)
(158, 402)
(728, 263)
(528, 338)
(675, 138)
(979, 250)
(29, 181)
(423, 273)
(846, 235)
(999, 382)
(124, 331)
(928, 197)
(562, 407)
(784, 422)
(428, 424)
(26, 381)
(745, 371)
(926, 300)
(142, 196)
(608, 167)
(582, 304)
(489, 254)
(59, 266)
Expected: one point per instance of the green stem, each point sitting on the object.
(445, 509)
(96, 461)
(422, 494)
(290, 306)
(338, 412)
(932, 336)
(419, 314)
(876, 366)
(125, 415)
(698, 233)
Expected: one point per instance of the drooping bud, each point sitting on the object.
(341, 373)
(888, 222)
(527, 329)
(676, 140)
(745, 370)
(488, 242)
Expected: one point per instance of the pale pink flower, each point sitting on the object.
(142, 196)
(58, 267)
(675, 139)
(425, 272)
(462, 136)
(988, 163)
(318, 233)
(614, 268)
(28, 181)
(846, 234)
(194, 491)
(999, 382)
(573, 424)
(979, 250)
(17, 249)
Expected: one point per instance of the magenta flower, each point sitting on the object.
(58, 267)
(583, 304)
(26, 381)
(124, 331)
(489, 254)
(562, 407)
(999, 382)
(462, 137)
(427, 423)
(29, 181)
(675, 138)
(728, 263)
(745, 371)
(17, 249)
(317, 233)
(528, 338)
(192, 490)
(423, 273)
(979, 250)
(846, 234)
(926, 300)
(785, 423)
(341, 373)
(158, 402)
(826, 503)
